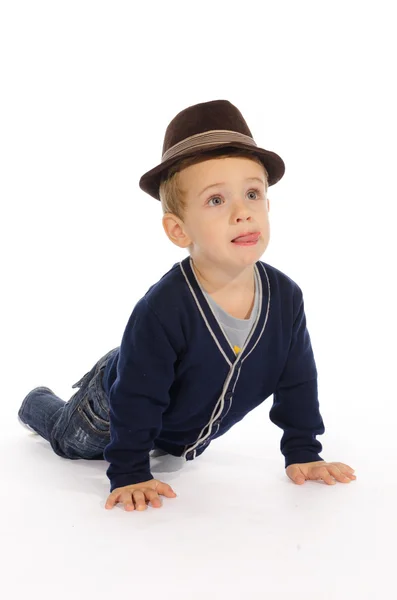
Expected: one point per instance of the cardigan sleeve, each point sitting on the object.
(295, 407)
(138, 397)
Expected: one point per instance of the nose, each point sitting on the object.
(240, 211)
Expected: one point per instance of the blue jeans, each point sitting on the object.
(78, 428)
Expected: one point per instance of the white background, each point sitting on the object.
(87, 90)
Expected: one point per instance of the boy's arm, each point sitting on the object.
(138, 397)
(296, 408)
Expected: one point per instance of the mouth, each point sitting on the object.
(247, 239)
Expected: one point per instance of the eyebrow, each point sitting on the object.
(223, 183)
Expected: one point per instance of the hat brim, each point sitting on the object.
(150, 181)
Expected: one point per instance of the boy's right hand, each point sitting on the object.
(140, 493)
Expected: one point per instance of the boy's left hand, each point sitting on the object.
(299, 472)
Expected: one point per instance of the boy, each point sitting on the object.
(211, 340)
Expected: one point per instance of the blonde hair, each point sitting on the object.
(172, 197)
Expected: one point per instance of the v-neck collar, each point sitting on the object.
(211, 321)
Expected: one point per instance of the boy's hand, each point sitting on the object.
(299, 472)
(140, 493)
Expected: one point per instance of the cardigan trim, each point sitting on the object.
(225, 400)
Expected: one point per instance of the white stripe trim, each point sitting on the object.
(204, 317)
(221, 401)
(214, 136)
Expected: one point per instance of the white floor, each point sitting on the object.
(238, 527)
(87, 91)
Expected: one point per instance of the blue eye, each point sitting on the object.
(213, 198)
(257, 192)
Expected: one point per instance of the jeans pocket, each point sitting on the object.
(89, 409)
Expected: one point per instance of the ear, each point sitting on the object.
(268, 205)
(175, 231)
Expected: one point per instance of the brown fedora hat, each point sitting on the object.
(204, 127)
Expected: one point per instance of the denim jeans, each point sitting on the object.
(78, 428)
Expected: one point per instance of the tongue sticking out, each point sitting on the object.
(252, 237)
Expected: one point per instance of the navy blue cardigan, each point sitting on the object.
(177, 384)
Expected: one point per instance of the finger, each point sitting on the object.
(296, 475)
(153, 497)
(126, 499)
(139, 499)
(322, 473)
(337, 473)
(350, 476)
(111, 501)
(299, 479)
(346, 470)
(165, 490)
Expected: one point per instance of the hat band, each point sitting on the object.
(216, 136)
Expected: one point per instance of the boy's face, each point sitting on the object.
(235, 203)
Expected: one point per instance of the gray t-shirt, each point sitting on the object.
(236, 330)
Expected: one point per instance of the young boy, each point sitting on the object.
(211, 340)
